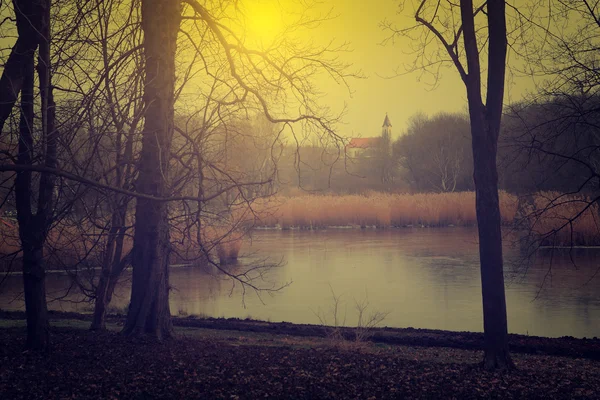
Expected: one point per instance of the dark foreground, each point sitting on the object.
(212, 363)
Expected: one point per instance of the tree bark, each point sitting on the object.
(36, 309)
(30, 233)
(149, 307)
(485, 128)
(489, 221)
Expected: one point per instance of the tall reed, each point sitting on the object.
(564, 220)
(377, 209)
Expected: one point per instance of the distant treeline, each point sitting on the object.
(549, 145)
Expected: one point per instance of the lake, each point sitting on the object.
(422, 277)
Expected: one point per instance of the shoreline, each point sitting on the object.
(246, 359)
(566, 346)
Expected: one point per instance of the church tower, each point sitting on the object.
(386, 129)
(386, 151)
(386, 134)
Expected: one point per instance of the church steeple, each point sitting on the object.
(386, 151)
(386, 122)
(386, 128)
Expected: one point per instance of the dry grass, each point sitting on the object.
(552, 221)
(564, 220)
(378, 209)
(69, 245)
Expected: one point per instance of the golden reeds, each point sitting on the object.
(564, 220)
(557, 220)
(377, 209)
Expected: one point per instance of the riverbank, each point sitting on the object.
(588, 348)
(216, 358)
(569, 221)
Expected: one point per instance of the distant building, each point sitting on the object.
(386, 130)
(363, 147)
(370, 146)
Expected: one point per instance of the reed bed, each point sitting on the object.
(550, 219)
(563, 221)
(72, 247)
(381, 210)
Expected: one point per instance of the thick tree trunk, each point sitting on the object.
(36, 311)
(149, 307)
(31, 228)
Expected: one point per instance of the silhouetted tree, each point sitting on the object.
(555, 132)
(259, 79)
(485, 121)
(149, 308)
(33, 25)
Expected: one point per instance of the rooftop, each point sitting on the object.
(386, 121)
(364, 143)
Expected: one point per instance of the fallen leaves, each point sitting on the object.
(86, 365)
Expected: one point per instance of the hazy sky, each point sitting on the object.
(357, 22)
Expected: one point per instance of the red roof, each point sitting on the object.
(364, 143)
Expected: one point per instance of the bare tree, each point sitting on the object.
(449, 23)
(554, 133)
(448, 167)
(33, 24)
(258, 77)
(149, 308)
(97, 67)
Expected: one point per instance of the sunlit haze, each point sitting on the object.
(386, 87)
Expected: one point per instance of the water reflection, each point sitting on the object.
(426, 278)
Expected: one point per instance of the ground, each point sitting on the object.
(248, 359)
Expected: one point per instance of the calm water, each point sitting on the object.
(425, 278)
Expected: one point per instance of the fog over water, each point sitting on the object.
(424, 278)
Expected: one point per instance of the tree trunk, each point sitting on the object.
(28, 18)
(149, 307)
(490, 249)
(31, 233)
(110, 268)
(485, 128)
(100, 303)
(36, 310)
(106, 285)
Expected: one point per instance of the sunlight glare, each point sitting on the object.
(263, 21)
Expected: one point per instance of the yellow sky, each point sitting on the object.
(357, 22)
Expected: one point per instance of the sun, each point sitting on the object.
(263, 20)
